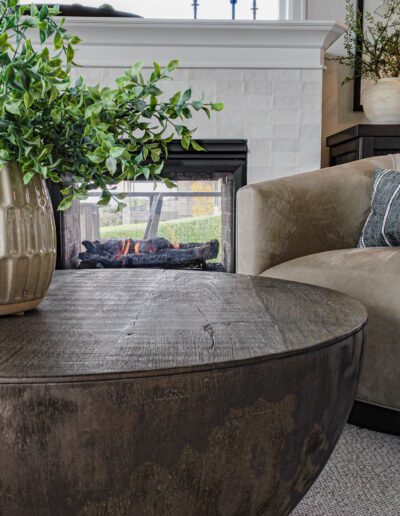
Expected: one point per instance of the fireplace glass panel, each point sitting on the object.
(189, 213)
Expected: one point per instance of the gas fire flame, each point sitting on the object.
(124, 250)
(129, 246)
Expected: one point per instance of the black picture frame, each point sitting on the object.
(357, 106)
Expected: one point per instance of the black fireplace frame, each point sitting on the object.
(222, 157)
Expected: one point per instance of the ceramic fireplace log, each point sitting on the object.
(121, 253)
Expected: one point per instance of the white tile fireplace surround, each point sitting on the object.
(268, 75)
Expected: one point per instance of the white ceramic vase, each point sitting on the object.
(381, 101)
(27, 241)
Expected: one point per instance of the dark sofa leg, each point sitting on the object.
(375, 418)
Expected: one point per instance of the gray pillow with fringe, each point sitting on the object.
(382, 227)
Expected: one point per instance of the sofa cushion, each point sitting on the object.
(382, 227)
(371, 275)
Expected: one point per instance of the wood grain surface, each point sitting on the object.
(151, 393)
(141, 322)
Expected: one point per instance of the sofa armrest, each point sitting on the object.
(294, 216)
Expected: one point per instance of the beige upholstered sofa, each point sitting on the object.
(305, 228)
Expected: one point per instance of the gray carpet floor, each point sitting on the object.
(362, 478)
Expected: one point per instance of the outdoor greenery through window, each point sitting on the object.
(184, 9)
(191, 212)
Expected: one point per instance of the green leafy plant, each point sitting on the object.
(372, 50)
(85, 137)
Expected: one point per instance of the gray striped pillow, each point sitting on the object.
(382, 227)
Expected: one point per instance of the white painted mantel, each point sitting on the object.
(267, 73)
(204, 44)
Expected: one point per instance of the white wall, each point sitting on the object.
(268, 76)
(338, 111)
(277, 111)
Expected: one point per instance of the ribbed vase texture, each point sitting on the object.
(27, 241)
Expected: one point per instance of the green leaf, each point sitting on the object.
(95, 158)
(28, 99)
(122, 195)
(137, 90)
(173, 65)
(156, 169)
(111, 164)
(117, 152)
(66, 203)
(186, 96)
(179, 129)
(34, 10)
(153, 102)
(197, 146)
(155, 154)
(58, 41)
(197, 104)
(44, 11)
(70, 53)
(135, 68)
(146, 172)
(105, 198)
(217, 106)
(75, 40)
(153, 90)
(185, 141)
(53, 94)
(12, 107)
(4, 155)
(157, 69)
(121, 205)
(28, 176)
(207, 112)
(175, 99)
(168, 183)
(93, 109)
(30, 21)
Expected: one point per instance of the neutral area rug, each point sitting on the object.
(362, 478)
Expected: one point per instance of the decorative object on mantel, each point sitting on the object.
(84, 137)
(372, 52)
(363, 141)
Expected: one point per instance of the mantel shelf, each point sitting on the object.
(117, 42)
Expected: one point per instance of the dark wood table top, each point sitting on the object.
(100, 324)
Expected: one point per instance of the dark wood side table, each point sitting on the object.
(363, 141)
(150, 392)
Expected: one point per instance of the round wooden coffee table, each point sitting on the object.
(154, 393)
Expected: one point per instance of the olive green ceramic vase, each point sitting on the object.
(27, 241)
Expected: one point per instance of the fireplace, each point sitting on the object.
(192, 225)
